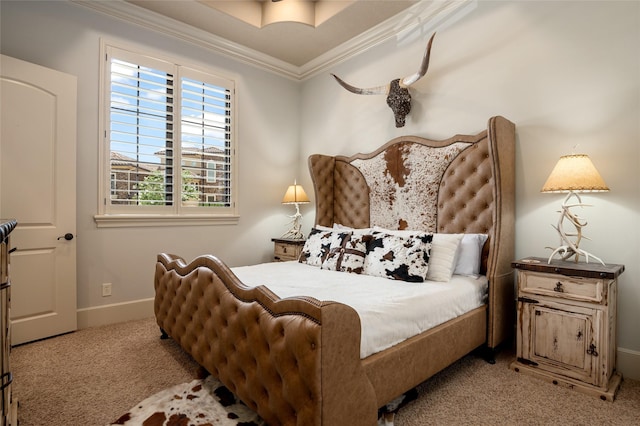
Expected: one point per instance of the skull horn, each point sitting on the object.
(405, 82)
(379, 90)
(408, 81)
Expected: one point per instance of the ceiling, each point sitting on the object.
(335, 29)
(292, 42)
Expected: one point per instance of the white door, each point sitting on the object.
(38, 189)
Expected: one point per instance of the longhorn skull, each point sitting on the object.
(397, 91)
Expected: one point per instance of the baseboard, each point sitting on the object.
(628, 363)
(117, 312)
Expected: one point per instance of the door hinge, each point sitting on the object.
(592, 350)
(526, 300)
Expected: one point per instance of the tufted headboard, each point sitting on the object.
(464, 184)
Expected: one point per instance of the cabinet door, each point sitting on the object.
(561, 339)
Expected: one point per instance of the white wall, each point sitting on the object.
(566, 73)
(65, 37)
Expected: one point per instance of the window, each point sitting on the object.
(164, 126)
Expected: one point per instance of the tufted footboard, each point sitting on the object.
(294, 361)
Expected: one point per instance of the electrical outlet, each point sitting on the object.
(106, 289)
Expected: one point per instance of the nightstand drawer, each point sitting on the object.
(287, 249)
(284, 250)
(574, 288)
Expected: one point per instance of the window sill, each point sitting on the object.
(146, 220)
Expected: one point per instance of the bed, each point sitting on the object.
(297, 360)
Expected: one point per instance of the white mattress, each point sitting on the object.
(390, 311)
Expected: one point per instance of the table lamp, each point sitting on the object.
(295, 195)
(573, 173)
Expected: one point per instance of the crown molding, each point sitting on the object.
(144, 18)
(431, 13)
(428, 15)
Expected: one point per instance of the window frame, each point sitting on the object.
(111, 215)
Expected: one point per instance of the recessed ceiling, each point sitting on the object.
(296, 43)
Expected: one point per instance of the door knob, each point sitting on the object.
(68, 236)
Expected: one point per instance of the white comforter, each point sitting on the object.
(390, 311)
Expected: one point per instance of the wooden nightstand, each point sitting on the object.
(286, 249)
(566, 327)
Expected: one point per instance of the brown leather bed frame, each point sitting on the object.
(297, 361)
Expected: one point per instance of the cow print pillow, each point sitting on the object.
(349, 257)
(319, 244)
(397, 257)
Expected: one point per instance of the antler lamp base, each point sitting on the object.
(569, 248)
(295, 232)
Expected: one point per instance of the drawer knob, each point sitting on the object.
(558, 287)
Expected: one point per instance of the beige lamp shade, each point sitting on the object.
(295, 195)
(575, 173)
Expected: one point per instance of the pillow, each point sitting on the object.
(398, 232)
(358, 231)
(318, 245)
(349, 257)
(398, 258)
(443, 256)
(341, 227)
(470, 254)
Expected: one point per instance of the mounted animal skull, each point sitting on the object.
(397, 91)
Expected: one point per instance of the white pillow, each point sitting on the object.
(397, 232)
(470, 254)
(355, 231)
(443, 256)
(341, 227)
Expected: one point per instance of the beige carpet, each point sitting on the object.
(93, 376)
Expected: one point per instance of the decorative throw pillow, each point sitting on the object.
(318, 245)
(470, 256)
(443, 256)
(398, 258)
(349, 257)
(355, 252)
(332, 260)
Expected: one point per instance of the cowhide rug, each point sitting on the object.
(206, 402)
(202, 402)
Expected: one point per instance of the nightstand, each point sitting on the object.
(566, 326)
(286, 249)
